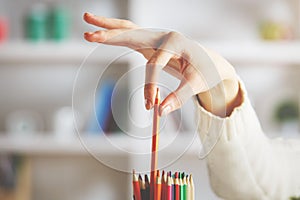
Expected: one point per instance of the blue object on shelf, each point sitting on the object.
(101, 115)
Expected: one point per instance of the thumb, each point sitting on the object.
(176, 99)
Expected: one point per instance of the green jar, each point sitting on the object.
(59, 23)
(36, 23)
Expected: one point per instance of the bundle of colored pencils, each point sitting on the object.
(167, 187)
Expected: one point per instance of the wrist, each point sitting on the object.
(221, 99)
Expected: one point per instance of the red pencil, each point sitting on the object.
(155, 138)
(177, 188)
(136, 187)
(163, 185)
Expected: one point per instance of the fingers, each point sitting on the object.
(169, 49)
(176, 99)
(141, 40)
(115, 27)
(121, 32)
(153, 68)
(102, 36)
(108, 23)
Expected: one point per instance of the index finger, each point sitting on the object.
(108, 23)
(157, 62)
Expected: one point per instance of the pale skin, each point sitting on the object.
(202, 72)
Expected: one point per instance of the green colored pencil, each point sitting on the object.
(183, 191)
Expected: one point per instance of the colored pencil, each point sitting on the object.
(188, 188)
(183, 189)
(155, 138)
(140, 181)
(177, 189)
(142, 187)
(163, 185)
(157, 191)
(169, 192)
(136, 187)
(147, 186)
(167, 187)
(192, 192)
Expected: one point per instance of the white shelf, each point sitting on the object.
(116, 145)
(237, 52)
(257, 52)
(39, 144)
(57, 52)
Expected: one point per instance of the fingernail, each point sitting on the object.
(88, 13)
(165, 110)
(87, 34)
(148, 104)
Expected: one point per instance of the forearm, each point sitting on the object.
(244, 163)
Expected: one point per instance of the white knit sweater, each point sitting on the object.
(244, 163)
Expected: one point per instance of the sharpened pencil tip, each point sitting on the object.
(157, 96)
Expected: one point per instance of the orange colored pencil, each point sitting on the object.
(157, 191)
(136, 187)
(155, 138)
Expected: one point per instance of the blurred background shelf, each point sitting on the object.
(114, 145)
(238, 52)
(257, 51)
(41, 145)
(73, 52)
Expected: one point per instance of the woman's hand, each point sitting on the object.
(201, 72)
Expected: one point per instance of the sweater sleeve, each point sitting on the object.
(244, 163)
